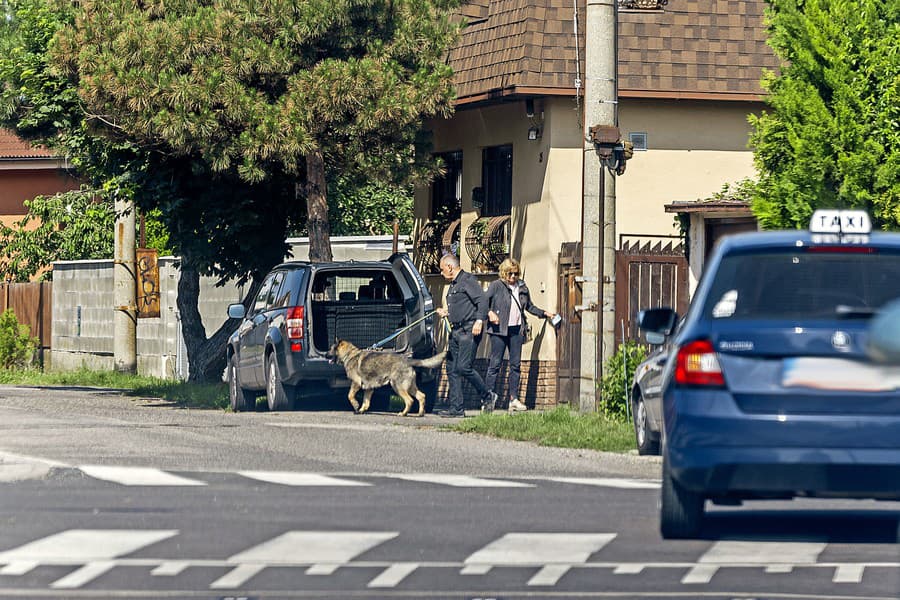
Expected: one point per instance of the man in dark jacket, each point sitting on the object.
(466, 310)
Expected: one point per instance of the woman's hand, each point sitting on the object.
(548, 314)
(493, 317)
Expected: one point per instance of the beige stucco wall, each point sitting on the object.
(694, 148)
(546, 204)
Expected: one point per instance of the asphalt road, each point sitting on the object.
(104, 496)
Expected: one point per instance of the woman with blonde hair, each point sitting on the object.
(508, 299)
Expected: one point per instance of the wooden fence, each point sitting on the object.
(31, 304)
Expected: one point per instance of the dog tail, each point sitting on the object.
(429, 363)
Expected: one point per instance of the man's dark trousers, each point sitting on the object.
(460, 356)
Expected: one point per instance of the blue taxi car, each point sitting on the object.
(769, 390)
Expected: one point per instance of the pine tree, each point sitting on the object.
(831, 138)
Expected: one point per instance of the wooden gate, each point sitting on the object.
(31, 304)
(568, 337)
(649, 274)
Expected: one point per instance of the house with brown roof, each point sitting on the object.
(26, 172)
(689, 75)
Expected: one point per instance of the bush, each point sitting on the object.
(618, 373)
(17, 346)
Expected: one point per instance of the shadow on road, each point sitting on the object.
(834, 526)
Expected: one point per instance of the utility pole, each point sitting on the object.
(599, 201)
(124, 289)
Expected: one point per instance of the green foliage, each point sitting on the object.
(74, 225)
(618, 374)
(832, 135)
(560, 427)
(17, 346)
(359, 208)
(68, 226)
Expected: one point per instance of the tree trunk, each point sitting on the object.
(317, 209)
(206, 357)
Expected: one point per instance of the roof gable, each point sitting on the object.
(691, 48)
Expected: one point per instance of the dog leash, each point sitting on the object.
(377, 345)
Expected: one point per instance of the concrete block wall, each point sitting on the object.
(82, 308)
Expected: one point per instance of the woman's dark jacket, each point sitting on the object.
(500, 301)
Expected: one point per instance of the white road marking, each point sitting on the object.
(299, 479)
(236, 577)
(18, 568)
(627, 484)
(555, 553)
(93, 548)
(137, 476)
(461, 480)
(171, 568)
(752, 554)
(393, 575)
(629, 569)
(324, 551)
(848, 574)
(85, 574)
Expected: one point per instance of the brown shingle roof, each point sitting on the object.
(12, 146)
(693, 48)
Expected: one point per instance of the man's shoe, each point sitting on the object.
(516, 406)
(451, 414)
(489, 402)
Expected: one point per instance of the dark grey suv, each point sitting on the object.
(303, 307)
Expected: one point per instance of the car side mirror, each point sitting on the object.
(884, 334)
(657, 323)
(236, 311)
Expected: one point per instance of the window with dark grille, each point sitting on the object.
(446, 191)
(496, 180)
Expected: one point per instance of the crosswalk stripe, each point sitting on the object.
(752, 553)
(299, 479)
(539, 549)
(84, 575)
(461, 480)
(137, 476)
(393, 575)
(324, 551)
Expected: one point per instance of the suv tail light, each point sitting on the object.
(696, 364)
(295, 328)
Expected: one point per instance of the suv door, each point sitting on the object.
(419, 305)
(253, 338)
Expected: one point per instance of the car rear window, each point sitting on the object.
(356, 286)
(805, 283)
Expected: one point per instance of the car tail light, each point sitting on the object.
(696, 364)
(295, 328)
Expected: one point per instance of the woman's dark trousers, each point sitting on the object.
(499, 345)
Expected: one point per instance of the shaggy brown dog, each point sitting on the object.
(371, 369)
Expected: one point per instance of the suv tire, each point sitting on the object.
(681, 510)
(240, 398)
(278, 395)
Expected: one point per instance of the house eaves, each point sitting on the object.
(691, 49)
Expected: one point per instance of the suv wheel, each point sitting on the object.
(647, 442)
(681, 510)
(240, 398)
(276, 392)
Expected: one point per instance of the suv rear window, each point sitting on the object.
(804, 284)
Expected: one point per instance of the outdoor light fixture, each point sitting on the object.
(534, 133)
(529, 108)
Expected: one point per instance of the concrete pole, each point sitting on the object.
(124, 289)
(599, 216)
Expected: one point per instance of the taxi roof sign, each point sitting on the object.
(840, 221)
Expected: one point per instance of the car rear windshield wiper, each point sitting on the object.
(844, 311)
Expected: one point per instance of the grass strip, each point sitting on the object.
(188, 395)
(560, 427)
